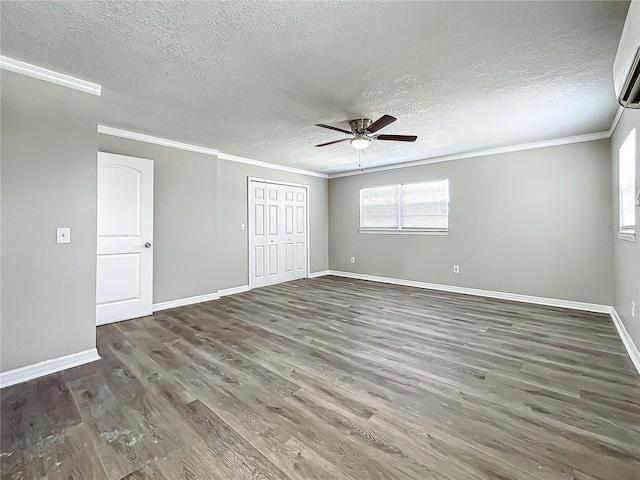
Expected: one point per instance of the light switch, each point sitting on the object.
(63, 235)
(242, 227)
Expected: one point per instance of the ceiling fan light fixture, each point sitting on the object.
(363, 132)
(360, 142)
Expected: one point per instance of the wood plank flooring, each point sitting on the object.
(334, 378)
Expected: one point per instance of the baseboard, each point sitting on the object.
(550, 302)
(233, 290)
(631, 348)
(321, 273)
(40, 369)
(181, 302)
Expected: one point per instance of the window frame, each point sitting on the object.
(628, 234)
(406, 230)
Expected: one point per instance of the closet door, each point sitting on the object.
(300, 233)
(277, 233)
(275, 239)
(288, 257)
(293, 263)
(258, 234)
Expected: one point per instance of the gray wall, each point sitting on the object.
(49, 173)
(561, 246)
(49, 145)
(200, 203)
(534, 222)
(626, 282)
(184, 217)
(233, 256)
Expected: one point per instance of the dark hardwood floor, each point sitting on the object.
(336, 378)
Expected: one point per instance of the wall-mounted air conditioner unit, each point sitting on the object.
(626, 67)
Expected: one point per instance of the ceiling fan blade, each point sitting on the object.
(397, 138)
(332, 128)
(331, 143)
(382, 122)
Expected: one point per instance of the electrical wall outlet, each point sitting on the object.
(456, 269)
(353, 259)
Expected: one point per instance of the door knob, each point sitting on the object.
(147, 245)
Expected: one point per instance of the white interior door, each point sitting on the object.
(275, 241)
(293, 260)
(125, 238)
(258, 234)
(277, 233)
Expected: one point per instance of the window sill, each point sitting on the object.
(405, 232)
(627, 237)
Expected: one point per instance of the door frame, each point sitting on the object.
(250, 227)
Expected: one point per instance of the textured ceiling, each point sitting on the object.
(251, 78)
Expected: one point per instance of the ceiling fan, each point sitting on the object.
(363, 132)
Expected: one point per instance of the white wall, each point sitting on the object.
(535, 222)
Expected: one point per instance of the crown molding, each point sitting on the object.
(40, 73)
(479, 153)
(141, 137)
(273, 166)
(616, 119)
(116, 132)
(447, 158)
(51, 76)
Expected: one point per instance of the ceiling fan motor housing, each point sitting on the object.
(359, 125)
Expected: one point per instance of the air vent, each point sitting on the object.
(630, 94)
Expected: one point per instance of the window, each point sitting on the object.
(412, 207)
(627, 186)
